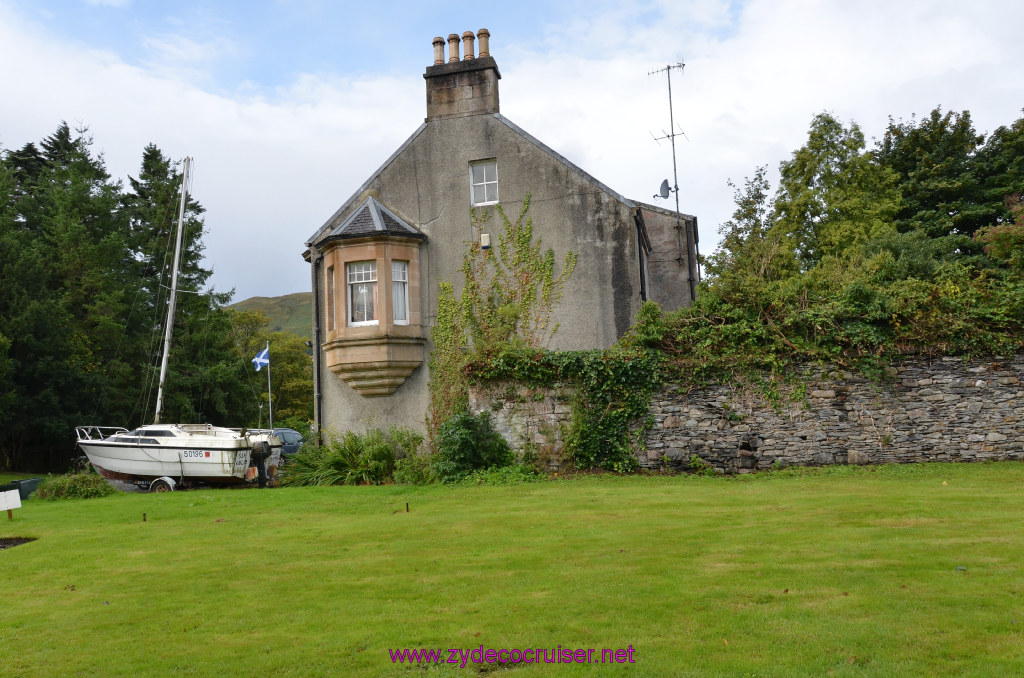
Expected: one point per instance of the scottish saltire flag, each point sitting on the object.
(262, 358)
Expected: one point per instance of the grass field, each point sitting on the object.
(891, 571)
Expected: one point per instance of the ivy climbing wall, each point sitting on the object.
(940, 409)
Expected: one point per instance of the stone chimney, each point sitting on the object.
(462, 86)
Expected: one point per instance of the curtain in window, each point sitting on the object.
(400, 290)
(362, 291)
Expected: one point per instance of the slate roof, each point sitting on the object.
(373, 218)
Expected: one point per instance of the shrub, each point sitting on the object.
(415, 469)
(82, 485)
(352, 459)
(468, 442)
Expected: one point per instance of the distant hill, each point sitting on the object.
(292, 312)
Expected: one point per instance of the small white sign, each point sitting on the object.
(10, 500)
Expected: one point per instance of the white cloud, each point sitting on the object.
(272, 166)
(751, 87)
(181, 49)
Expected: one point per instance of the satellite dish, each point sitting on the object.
(663, 191)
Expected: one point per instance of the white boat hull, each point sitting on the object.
(190, 453)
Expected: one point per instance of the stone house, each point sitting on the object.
(376, 263)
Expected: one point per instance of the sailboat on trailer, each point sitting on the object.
(159, 457)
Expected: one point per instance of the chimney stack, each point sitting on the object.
(462, 87)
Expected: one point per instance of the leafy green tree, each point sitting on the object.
(833, 197)
(206, 378)
(934, 158)
(753, 253)
(63, 253)
(1004, 242)
(83, 296)
(291, 367)
(1000, 166)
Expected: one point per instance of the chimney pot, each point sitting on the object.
(460, 88)
(453, 48)
(438, 50)
(484, 36)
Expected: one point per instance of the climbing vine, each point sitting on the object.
(510, 290)
(448, 387)
(612, 390)
(508, 294)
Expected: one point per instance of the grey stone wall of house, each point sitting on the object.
(427, 184)
(944, 409)
(672, 252)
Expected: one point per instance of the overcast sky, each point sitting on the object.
(287, 106)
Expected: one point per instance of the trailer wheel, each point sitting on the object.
(161, 485)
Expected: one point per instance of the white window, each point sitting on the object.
(483, 182)
(400, 291)
(330, 297)
(362, 292)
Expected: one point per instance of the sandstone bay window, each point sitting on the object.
(483, 182)
(362, 292)
(400, 292)
(373, 280)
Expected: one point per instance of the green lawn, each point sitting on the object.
(893, 571)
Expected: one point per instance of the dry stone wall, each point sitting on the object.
(928, 410)
(941, 409)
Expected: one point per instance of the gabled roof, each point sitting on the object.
(326, 231)
(373, 218)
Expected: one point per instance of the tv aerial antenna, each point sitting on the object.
(665, 189)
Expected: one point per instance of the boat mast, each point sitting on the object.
(174, 292)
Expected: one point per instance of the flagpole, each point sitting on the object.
(270, 399)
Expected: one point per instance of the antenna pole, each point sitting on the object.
(680, 230)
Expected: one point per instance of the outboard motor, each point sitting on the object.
(260, 452)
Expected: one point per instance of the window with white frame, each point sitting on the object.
(483, 182)
(400, 291)
(330, 298)
(362, 292)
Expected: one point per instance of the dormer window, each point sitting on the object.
(483, 182)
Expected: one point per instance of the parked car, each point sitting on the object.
(291, 440)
